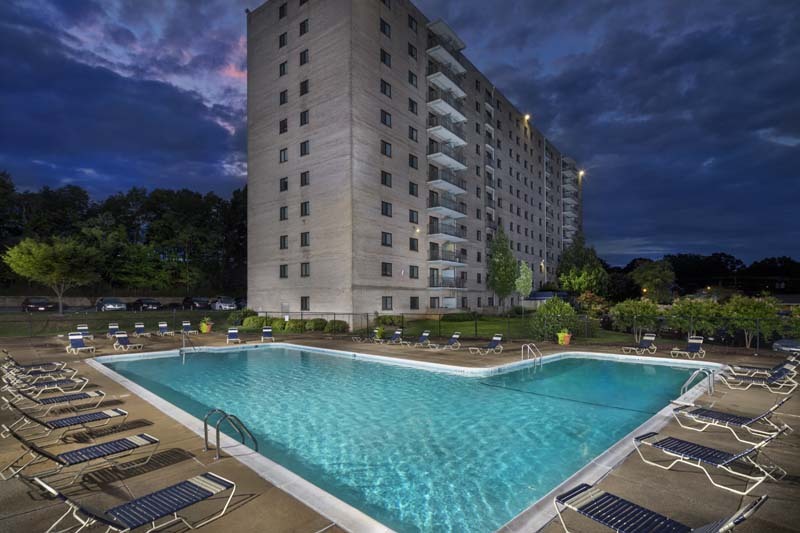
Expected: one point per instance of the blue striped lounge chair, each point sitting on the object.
(694, 348)
(43, 406)
(164, 331)
(494, 346)
(646, 345)
(84, 459)
(704, 457)
(10, 363)
(369, 338)
(702, 418)
(62, 386)
(113, 328)
(13, 382)
(148, 509)
(36, 428)
(396, 338)
(76, 344)
(266, 334)
(753, 371)
(423, 340)
(779, 382)
(123, 343)
(139, 331)
(233, 336)
(187, 328)
(624, 516)
(453, 343)
(33, 376)
(84, 330)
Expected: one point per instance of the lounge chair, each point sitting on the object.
(624, 516)
(423, 340)
(752, 371)
(494, 346)
(62, 386)
(187, 328)
(647, 344)
(396, 338)
(164, 331)
(76, 344)
(453, 343)
(233, 336)
(113, 328)
(36, 428)
(84, 330)
(139, 331)
(10, 364)
(43, 406)
(760, 425)
(123, 342)
(693, 349)
(149, 508)
(369, 338)
(779, 382)
(14, 381)
(266, 334)
(88, 457)
(698, 456)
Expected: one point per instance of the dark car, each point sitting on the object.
(196, 302)
(110, 304)
(241, 303)
(145, 304)
(35, 304)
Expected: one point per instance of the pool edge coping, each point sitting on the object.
(533, 518)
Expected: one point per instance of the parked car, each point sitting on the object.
(196, 302)
(241, 303)
(35, 304)
(146, 304)
(110, 304)
(223, 303)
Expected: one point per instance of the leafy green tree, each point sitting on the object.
(592, 304)
(578, 256)
(694, 315)
(656, 279)
(551, 317)
(60, 265)
(636, 316)
(753, 315)
(524, 281)
(502, 273)
(587, 279)
(141, 267)
(51, 213)
(620, 286)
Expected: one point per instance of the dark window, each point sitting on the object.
(414, 302)
(305, 238)
(282, 40)
(413, 216)
(386, 149)
(282, 69)
(412, 106)
(305, 270)
(386, 209)
(305, 209)
(386, 58)
(304, 117)
(413, 244)
(386, 179)
(386, 239)
(386, 303)
(386, 88)
(283, 271)
(434, 302)
(386, 29)
(413, 189)
(303, 87)
(284, 212)
(284, 184)
(305, 148)
(283, 126)
(412, 23)
(386, 118)
(304, 57)
(304, 178)
(412, 78)
(386, 270)
(305, 303)
(282, 11)
(413, 272)
(304, 27)
(284, 242)
(412, 50)
(413, 134)
(283, 155)
(413, 162)
(284, 97)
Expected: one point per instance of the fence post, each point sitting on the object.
(635, 335)
(758, 335)
(334, 325)
(402, 321)
(508, 326)
(439, 326)
(691, 325)
(475, 322)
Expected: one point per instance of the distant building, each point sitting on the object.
(381, 164)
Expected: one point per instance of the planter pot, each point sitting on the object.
(564, 338)
(205, 327)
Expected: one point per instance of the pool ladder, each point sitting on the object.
(233, 421)
(700, 371)
(182, 350)
(531, 351)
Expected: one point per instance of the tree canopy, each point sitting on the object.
(502, 273)
(656, 279)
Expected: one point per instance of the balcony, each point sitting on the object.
(571, 199)
(489, 160)
(444, 78)
(571, 185)
(569, 227)
(490, 203)
(445, 52)
(446, 232)
(446, 156)
(491, 224)
(446, 283)
(445, 103)
(444, 130)
(490, 183)
(445, 180)
(446, 257)
(446, 207)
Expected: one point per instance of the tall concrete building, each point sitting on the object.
(382, 163)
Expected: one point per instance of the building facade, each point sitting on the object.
(381, 163)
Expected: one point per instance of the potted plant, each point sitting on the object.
(564, 336)
(206, 324)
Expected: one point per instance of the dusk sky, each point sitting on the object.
(685, 114)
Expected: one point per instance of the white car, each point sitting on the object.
(223, 303)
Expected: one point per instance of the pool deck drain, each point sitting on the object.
(683, 493)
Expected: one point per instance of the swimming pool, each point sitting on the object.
(414, 449)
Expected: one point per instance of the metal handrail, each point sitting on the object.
(709, 375)
(531, 351)
(234, 422)
(182, 350)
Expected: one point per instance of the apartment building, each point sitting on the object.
(381, 164)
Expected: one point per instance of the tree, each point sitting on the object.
(752, 315)
(578, 256)
(588, 279)
(524, 282)
(553, 316)
(60, 265)
(621, 287)
(656, 279)
(635, 315)
(592, 304)
(694, 315)
(502, 272)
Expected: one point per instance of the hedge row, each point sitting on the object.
(255, 323)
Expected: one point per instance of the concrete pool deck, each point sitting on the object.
(683, 493)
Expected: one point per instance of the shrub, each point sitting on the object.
(694, 316)
(278, 324)
(753, 316)
(636, 316)
(518, 310)
(236, 318)
(553, 316)
(388, 320)
(459, 317)
(336, 326)
(296, 325)
(253, 323)
(316, 324)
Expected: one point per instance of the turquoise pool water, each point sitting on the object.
(418, 450)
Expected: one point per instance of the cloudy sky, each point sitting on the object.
(685, 114)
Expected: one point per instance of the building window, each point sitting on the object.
(305, 209)
(282, 39)
(284, 212)
(413, 161)
(413, 244)
(413, 272)
(386, 29)
(414, 302)
(412, 24)
(386, 149)
(282, 11)
(386, 118)
(434, 302)
(386, 209)
(412, 50)
(303, 87)
(305, 270)
(284, 97)
(305, 148)
(386, 239)
(386, 179)
(304, 57)
(386, 303)
(283, 271)
(304, 117)
(386, 270)
(413, 189)
(412, 106)
(304, 178)
(413, 216)
(305, 239)
(283, 184)
(305, 303)
(304, 27)
(386, 58)
(282, 69)
(284, 242)
(386, 88)
(283, 126)
(283, 155)
(413, 134)
(412, 78)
